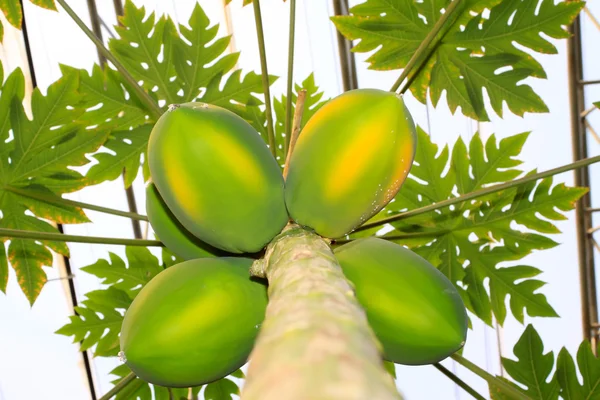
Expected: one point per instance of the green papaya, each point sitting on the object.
(194, 322)
(170, 231)
(349, 161)
(217, 177)
(414, 310)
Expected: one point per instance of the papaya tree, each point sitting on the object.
(270, 212)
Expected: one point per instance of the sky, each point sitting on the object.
(36, 363)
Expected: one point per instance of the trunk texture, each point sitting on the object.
(315, 343)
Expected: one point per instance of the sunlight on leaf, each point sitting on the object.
(38, 158)
(478, 52)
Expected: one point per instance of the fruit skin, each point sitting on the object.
(170, 231)
(350, 161)
(218, 177)
(194, 322)
(415, 311)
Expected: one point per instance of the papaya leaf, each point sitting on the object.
(47, 4)
(589, 369)
(223, 389)
(125, 149)
(532, 369)
(37, 157)
(175, 64)
(390, 367)
(12, 11)
(99, 318)
(107, 102)
(245, 3)
(14, 14)
(479, 241)
(169, 259)
(141, 390)
(142, 266)
(3, 268)
(98, 321)
(477, 49)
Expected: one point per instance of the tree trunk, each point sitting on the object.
(315, 342)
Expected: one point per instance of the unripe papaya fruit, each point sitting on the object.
(350, 161)
(414, 310)
(170, 231)
(217, 176)
(194, 322)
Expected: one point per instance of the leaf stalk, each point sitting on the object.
(482, 192)
(265, 76)
(299, 112)
(60, 237)
(462, 384)
(119, 386)
(489, 378)
(421, 53)
(59, 201)
(290, 78)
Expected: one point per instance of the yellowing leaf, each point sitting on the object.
(37, 159)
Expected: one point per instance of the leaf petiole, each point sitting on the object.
(421, 54)
(57, 200)
(483, 192)
(290, 78)
(119, 386)
(463, 385)
(489, 378)
(59, 237)
(265, 76)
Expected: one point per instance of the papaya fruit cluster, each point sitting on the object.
(218, 197)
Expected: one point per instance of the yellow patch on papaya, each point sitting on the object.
(181, 183)
(357, 156)
(240, 162)
(329, 112)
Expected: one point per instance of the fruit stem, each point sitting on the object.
(57, 200)
(141, 93)
(60, 237)
(421, 55)
(315, 339)
(458, 381)
(119, 386)
(265, 76)
(290, 78)
(490, 379)
(298, 113)
(482, 192)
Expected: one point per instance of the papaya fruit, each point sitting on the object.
(170, 231)
(217, 177)
(349, 161)
(414, 310)
(194, 322)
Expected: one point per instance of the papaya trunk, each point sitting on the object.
(315, 342)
